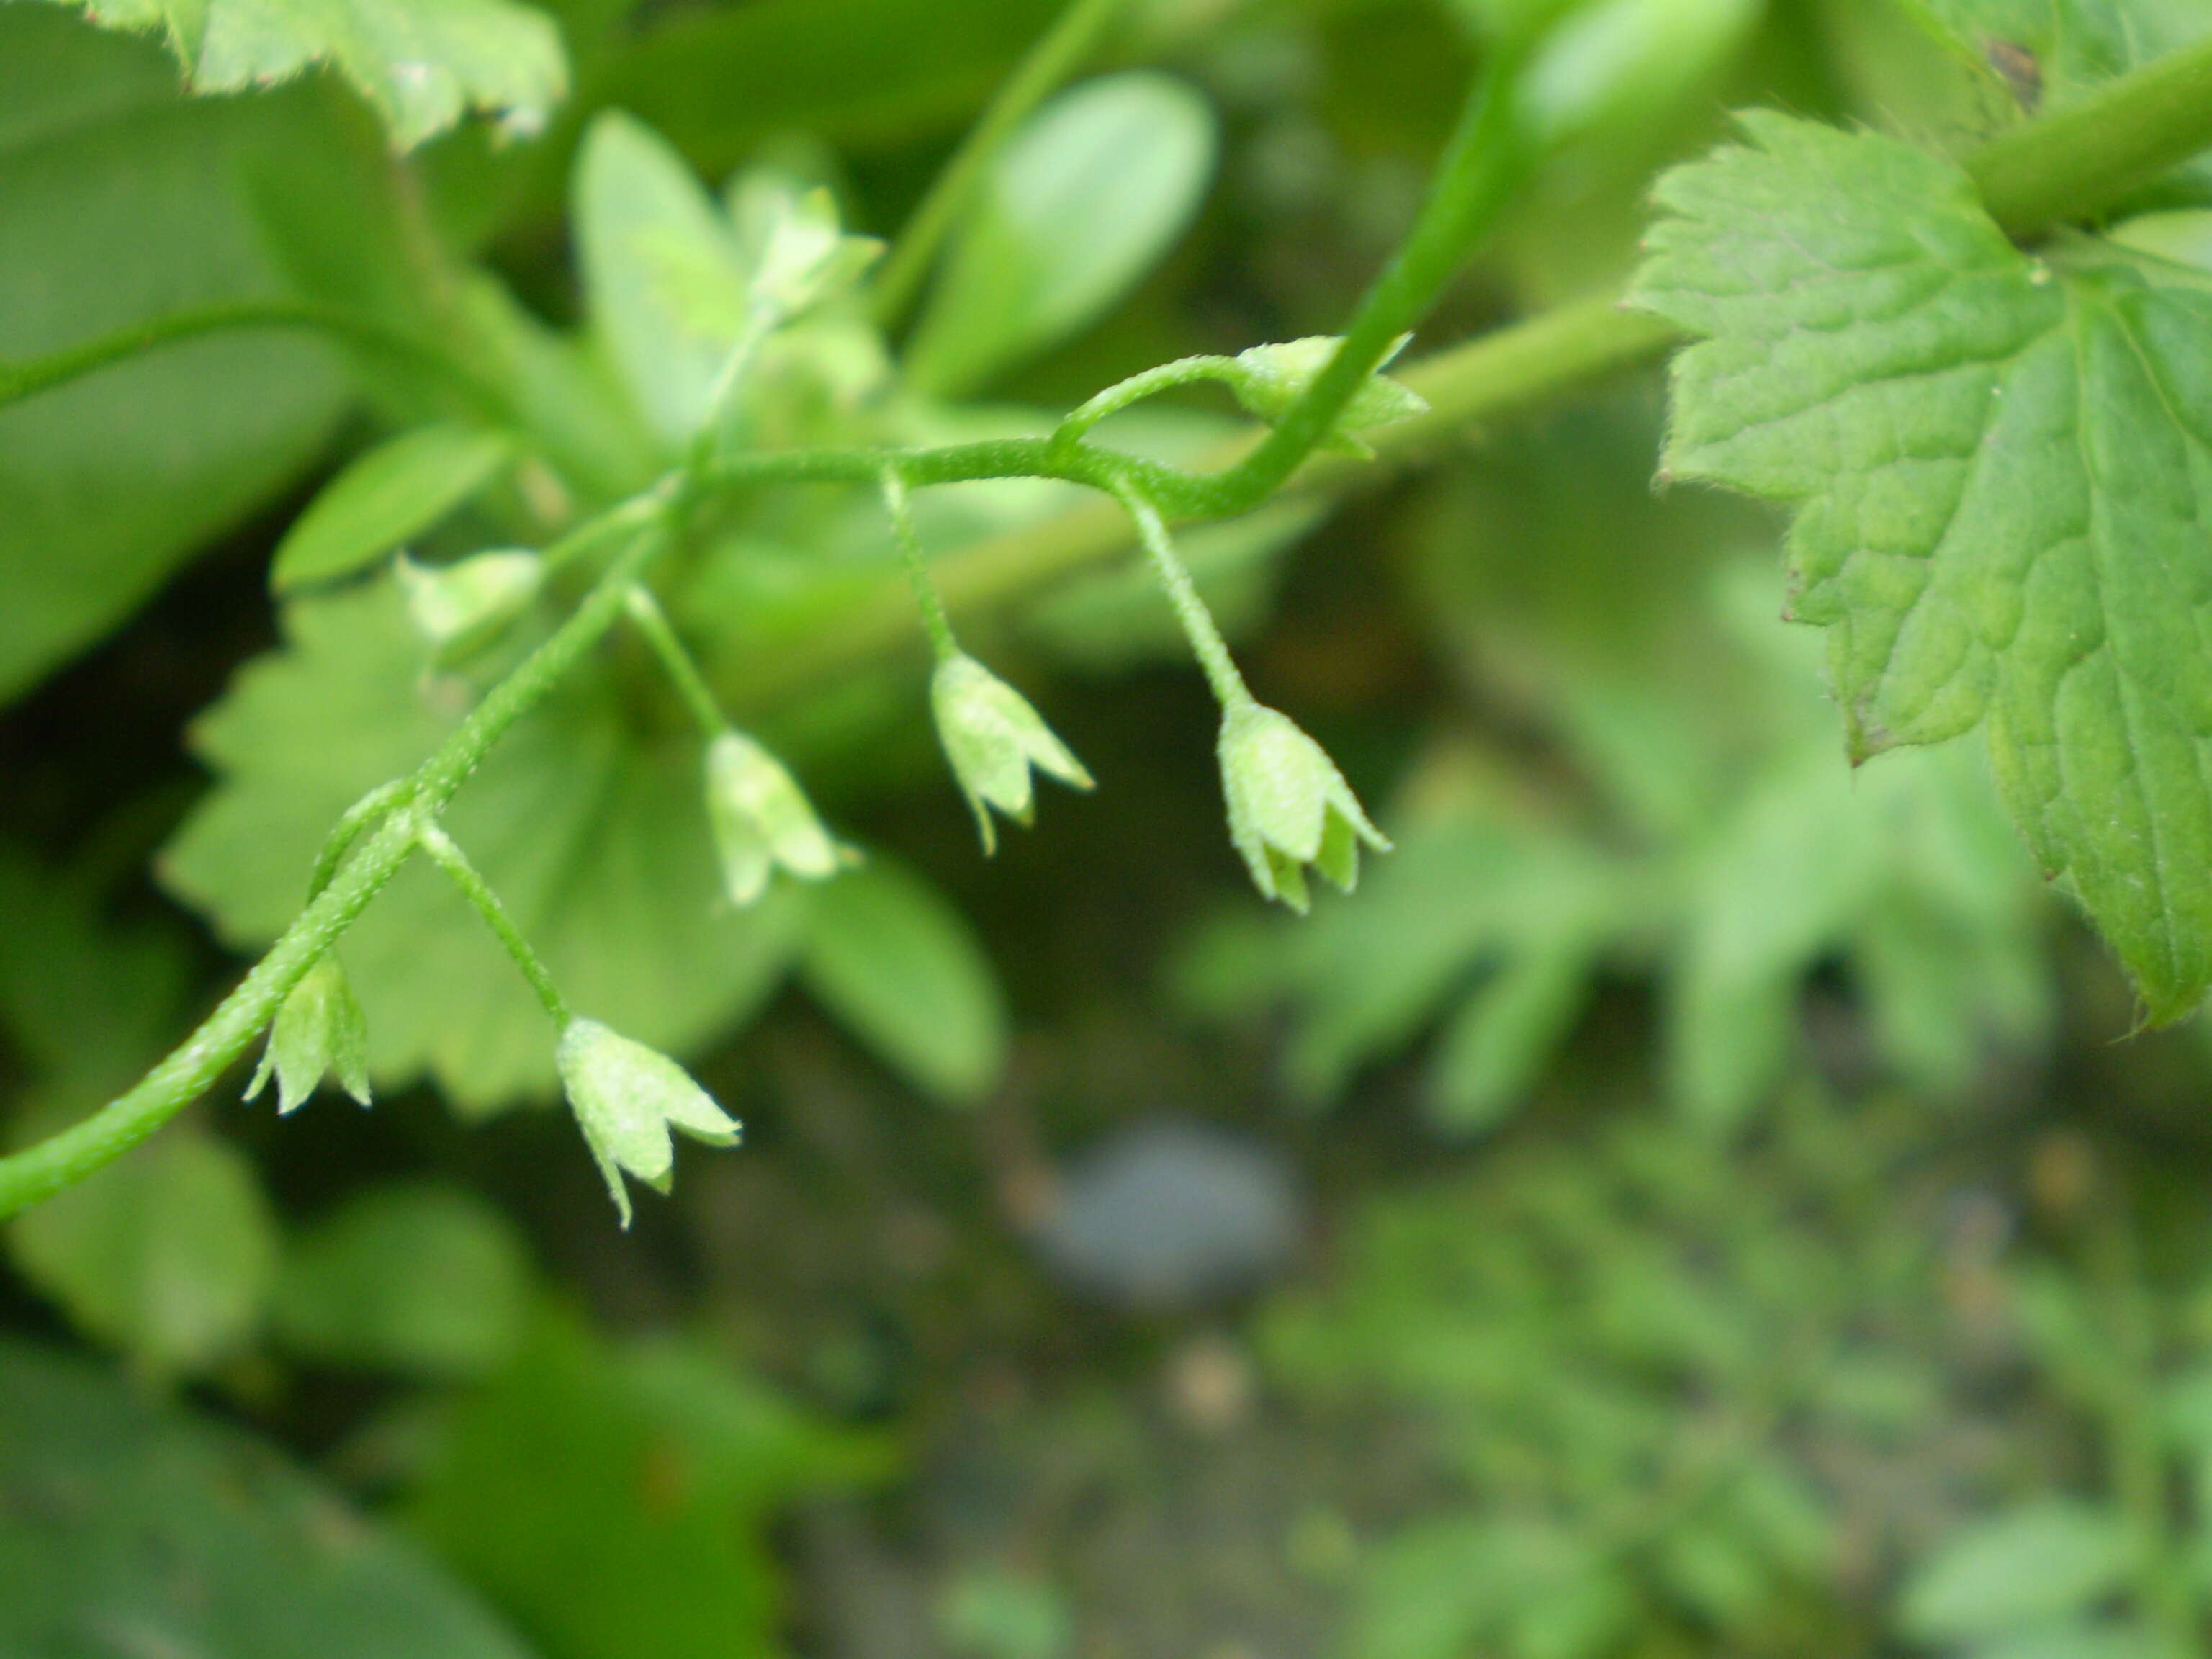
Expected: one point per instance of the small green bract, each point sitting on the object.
(318, 1031)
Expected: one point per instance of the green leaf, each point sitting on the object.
(2033, 1566)
(426, 1279)
(2084, 1641)
(595, 837)
(168, 1256)
(1084, 201)
(2005, 469)
(649, 238)
(423, 64)
(130, 1528)
(616, 1502)
(1492, 1052)
(384, 499)
(120, 199)
(901, 967)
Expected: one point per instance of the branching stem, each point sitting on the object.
(2073, 164)
(660, 633)
(934, 622)
(445, 852)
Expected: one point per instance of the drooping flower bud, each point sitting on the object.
(763, 820)
(1288, 805)
(1270, 379)
(628, 1098)
(319, 1030)
(460, 608)
(992, 736)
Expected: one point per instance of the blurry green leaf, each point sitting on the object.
(130, 1529)
(1492, 1052)
(119, 200)
(1084, 200)
(89, 1004)
(426, 1279)
(2036, 495)
(1115, 620)
(169, 1255)
(648, 235)
(2098, 1641)
(422, 63)
(1712, 1574)
(1775, 890)
(988, 1613)
(2006, 1573)
(722, 80)
(384, 499)
(615, 1503)
(901, 967)
(594, 836)
(1445, 1589)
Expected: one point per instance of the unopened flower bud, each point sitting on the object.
(627, 1098)
(763, 820)
(460, 608)
(1288, 805)
(319, 1030)
(992, 736)
(1270, 379)
(806, 257)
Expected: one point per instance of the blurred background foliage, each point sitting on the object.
(1690, 1201)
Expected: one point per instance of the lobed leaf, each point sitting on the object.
(423, 64)
(132, 1528)
(2005, 475)
(596, 839)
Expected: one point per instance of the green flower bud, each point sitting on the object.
(318, 1031)
(992, 738)
(1270, 379)
(460, 608)
(805, 256)
(761, 819)
(627, 1098)
(1288, 805)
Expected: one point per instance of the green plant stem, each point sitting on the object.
(40, 1171)
(355, 822)
(1138, 387)
(676, 659)
(2050, 168)
(934, 622)
(2078, 161)
(1056, 56)
(1197, 625)
(445, 852)
(26, 379)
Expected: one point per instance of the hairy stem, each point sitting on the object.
(1051, 61)
(676, 659)
(445, 852)
(2069, 165)
(2092, 155)
(934, 623)
(42, 1170)
(1197, 625)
